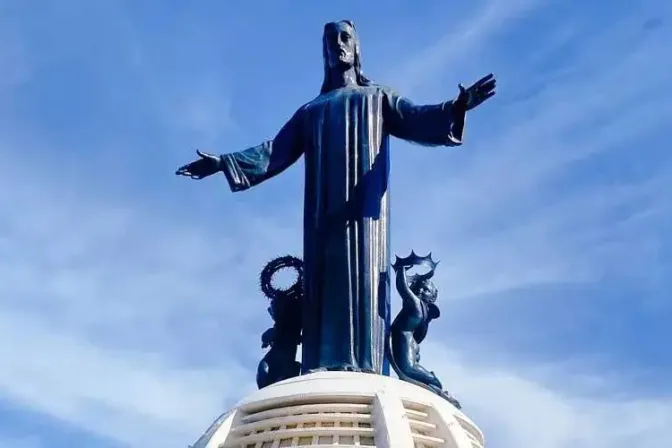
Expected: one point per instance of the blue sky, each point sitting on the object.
(129, 309)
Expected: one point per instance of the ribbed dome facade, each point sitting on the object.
(342, 409)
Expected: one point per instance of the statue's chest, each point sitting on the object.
(345, 103)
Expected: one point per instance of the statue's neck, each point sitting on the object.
(342, 78)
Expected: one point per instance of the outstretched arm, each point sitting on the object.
(436, 124)
(252, 166)
(410, 302)
(430, 125)
(247, 168)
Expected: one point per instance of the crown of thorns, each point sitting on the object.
(273, 267)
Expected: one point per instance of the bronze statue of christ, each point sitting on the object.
(344, 136)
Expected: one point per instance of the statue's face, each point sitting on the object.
(341, 39)
(426, 291)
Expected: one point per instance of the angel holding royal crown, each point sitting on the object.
(409, 328)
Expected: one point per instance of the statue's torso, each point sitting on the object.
(345, 229)
(342, 117)
(343, 138)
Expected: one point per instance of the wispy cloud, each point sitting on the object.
(517, 208)
(545, 193)
(119, 395)
(521, 411)
(96, 303)
(466, 37)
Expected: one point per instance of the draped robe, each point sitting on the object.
(344, 135)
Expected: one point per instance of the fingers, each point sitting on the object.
(481, 98)
(186, 171)
(485, 91)
(490, 85)
(183, 171)
(485, 79)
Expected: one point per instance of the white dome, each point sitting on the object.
(342, 409)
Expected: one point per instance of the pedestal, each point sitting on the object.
(342, 409)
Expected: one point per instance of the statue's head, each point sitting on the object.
(424, 289)
(341, 51)
(427, 292)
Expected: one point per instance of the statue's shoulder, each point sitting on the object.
(340, 94)
(389, 92)
(321, 98)
(376, 89)
(384, 89)
(384, 93)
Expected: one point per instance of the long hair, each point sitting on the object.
(360, 78)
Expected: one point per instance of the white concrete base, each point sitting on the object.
(342, 409)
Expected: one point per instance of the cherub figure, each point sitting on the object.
(409, 328)
(280, 363)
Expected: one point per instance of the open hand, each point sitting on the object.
(206, 165)
(476, 94)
